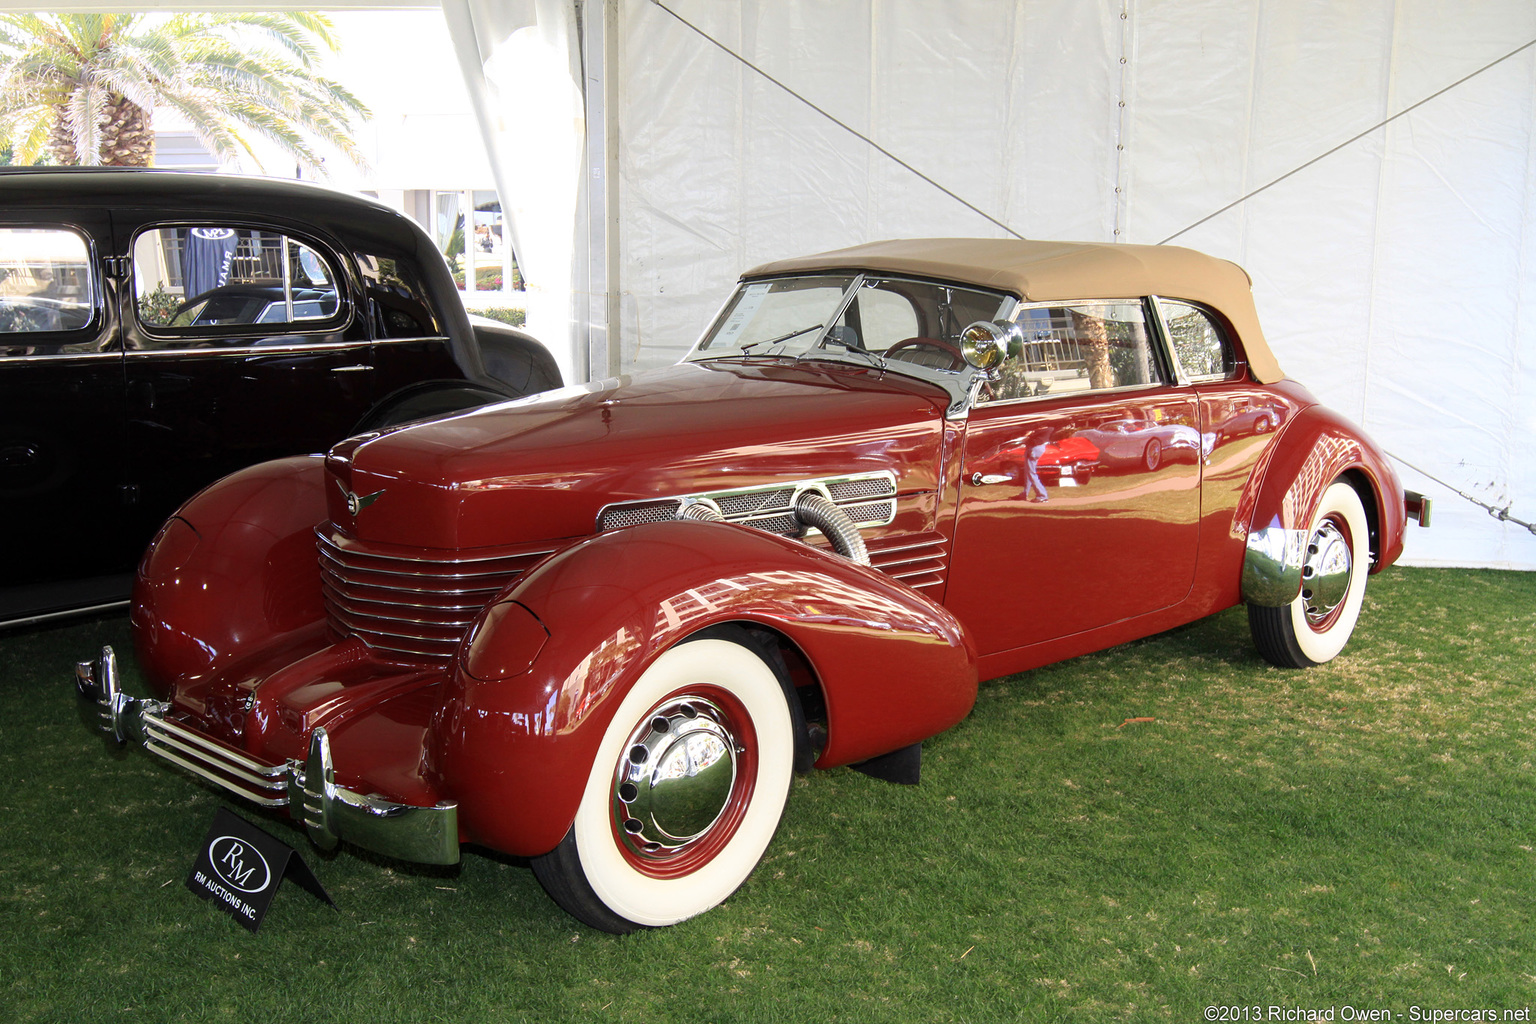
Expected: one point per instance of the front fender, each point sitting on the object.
(1317, 447)
(233, 569)
(544, 669)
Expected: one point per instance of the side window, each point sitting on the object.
(46, 285)
(190, 278)
(1201, 347)
(886, 317)
(398, 306)
(1089, 346)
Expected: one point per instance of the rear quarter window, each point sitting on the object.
(397, 297)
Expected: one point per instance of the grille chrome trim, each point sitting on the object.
(869, 498)
(414, 605)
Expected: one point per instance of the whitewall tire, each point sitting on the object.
(685, 793)
(1314, 628)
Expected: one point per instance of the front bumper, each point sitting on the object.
(330, 813)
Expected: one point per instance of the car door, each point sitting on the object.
(61, 409)
(1079, 498)
(243, 345)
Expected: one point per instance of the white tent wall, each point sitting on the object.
(1396, 277)
(522, 71)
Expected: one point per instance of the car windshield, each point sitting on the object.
(896, 323)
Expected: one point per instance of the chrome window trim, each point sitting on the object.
(242, 350)
(1159, 348)
(1127, 389)
(97, 286)
(417, 339)
(1180, 377)
(340, 265)
(57, 356)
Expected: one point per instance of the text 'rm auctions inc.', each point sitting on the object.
(1431, 1014)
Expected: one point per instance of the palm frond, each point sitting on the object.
(33, 142)
(227, 73)
(83, 114)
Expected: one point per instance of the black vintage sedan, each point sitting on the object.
(159, 330)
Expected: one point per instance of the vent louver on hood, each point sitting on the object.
(869, 499)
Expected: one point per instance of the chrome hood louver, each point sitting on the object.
(869, 499)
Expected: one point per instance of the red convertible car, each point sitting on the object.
(601, 627)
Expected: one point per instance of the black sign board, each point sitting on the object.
(240, 867)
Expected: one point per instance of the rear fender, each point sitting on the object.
(538, 681)
(1316, 448)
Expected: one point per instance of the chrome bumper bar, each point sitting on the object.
(330, 813)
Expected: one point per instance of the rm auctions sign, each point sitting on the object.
(239, 868)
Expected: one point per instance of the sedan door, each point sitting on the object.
(243, 346)
(61, 413)
(1079, 498)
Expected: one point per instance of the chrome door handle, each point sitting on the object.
(350, 369)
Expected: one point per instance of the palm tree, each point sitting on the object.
(81, 88)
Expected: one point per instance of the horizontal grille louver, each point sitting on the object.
(920, 561)
(417, 605)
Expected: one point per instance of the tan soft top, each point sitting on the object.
(1063, 271)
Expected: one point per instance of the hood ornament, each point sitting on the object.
(357, 502)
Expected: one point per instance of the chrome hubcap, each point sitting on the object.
(1325, 574)
(676, 777)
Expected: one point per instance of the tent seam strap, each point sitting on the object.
(835, 120)
(1349, 141)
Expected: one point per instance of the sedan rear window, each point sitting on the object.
(46, 282)
(208, 275)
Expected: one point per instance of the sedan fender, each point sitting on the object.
(546, 666)
(1317, 447)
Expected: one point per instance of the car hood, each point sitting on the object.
(542, 468)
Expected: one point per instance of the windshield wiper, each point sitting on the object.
(783, 337)
(875, 359)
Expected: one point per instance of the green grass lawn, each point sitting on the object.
(1359, 835)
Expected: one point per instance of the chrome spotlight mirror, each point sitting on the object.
(984, 344)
